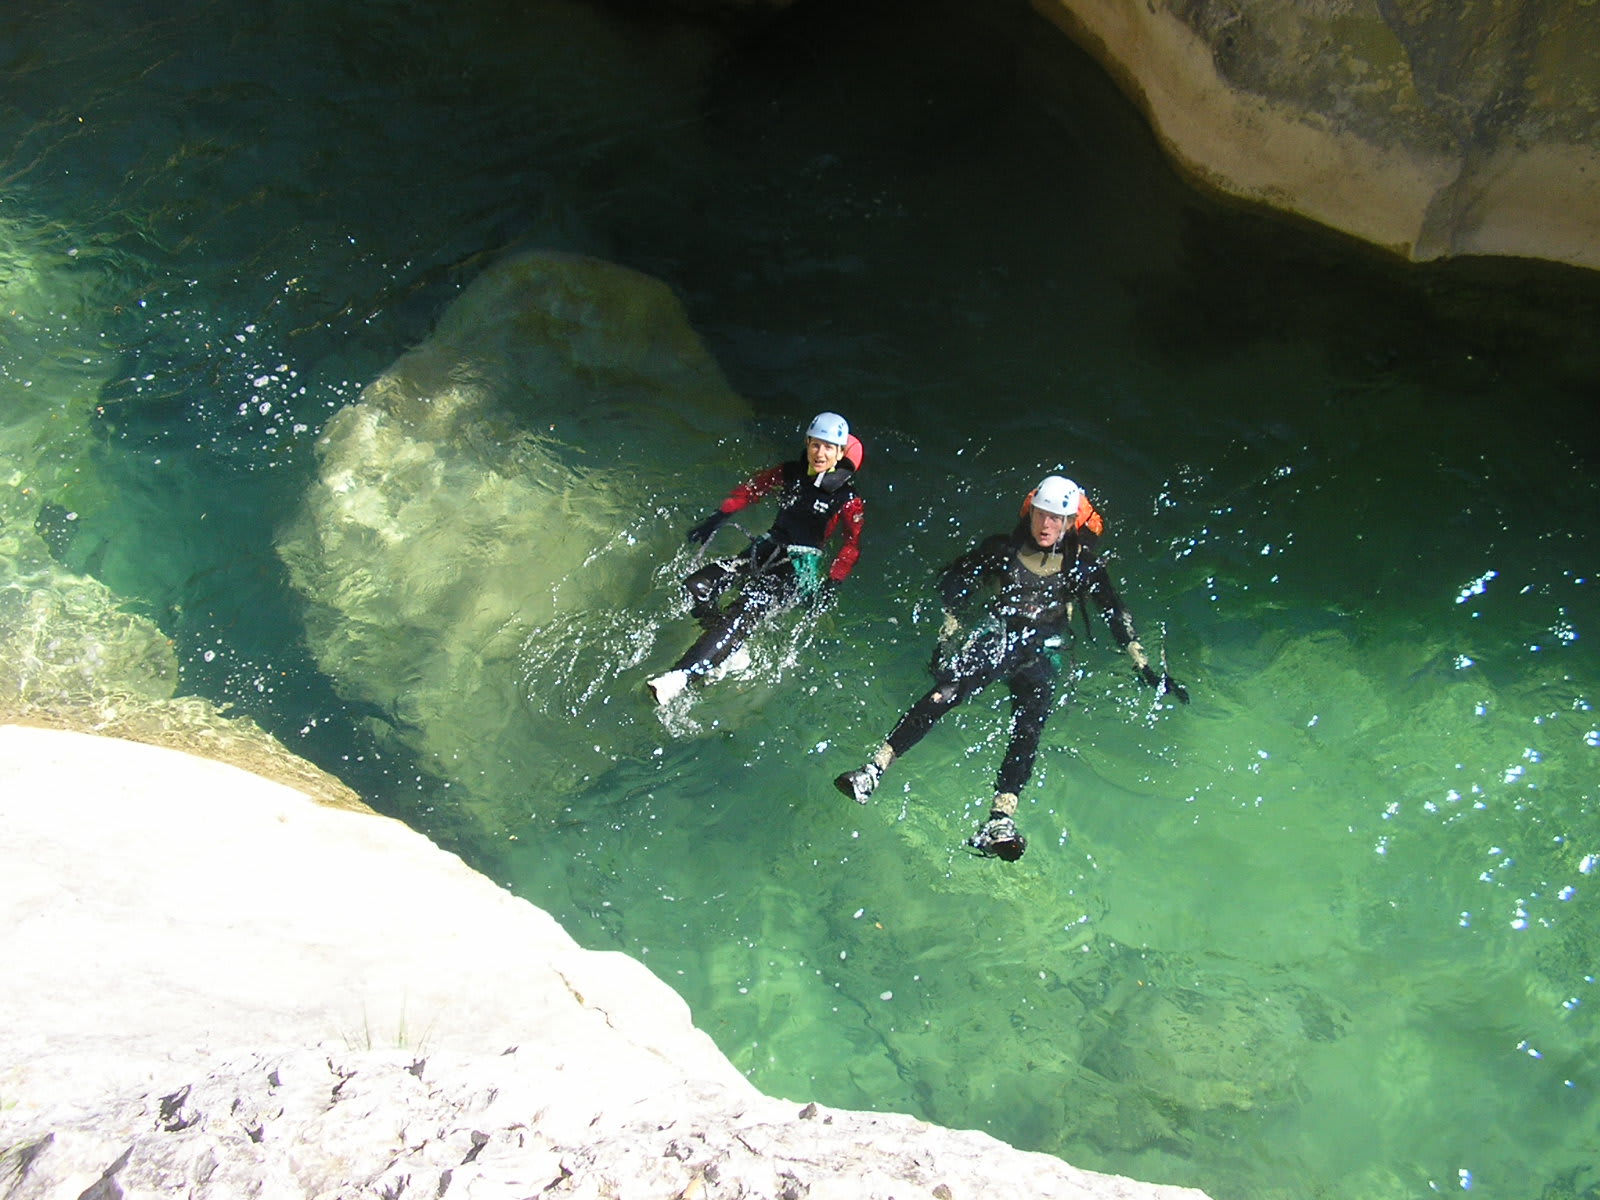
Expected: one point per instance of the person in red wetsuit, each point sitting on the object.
(1015, 593)
(816, 497)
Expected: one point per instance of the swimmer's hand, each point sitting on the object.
(701, 533)
(947, 646)
(1163, 683)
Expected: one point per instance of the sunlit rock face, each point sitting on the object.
(486, 523)
(216, 988)
(1431, 129)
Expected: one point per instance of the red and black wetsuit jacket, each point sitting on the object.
(1031, 588)
(810, 508)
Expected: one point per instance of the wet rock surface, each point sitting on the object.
(1432, 130)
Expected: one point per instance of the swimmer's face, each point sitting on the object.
(822, 456)
(1048, 528)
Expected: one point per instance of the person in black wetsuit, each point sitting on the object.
(816, 496)
(1031, 580)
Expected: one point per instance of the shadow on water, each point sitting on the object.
(1329, 929)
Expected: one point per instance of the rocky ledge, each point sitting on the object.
(1433, 130)
(218, 988)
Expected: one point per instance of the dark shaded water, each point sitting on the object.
(1330, 930)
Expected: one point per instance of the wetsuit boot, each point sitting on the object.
(859, 784)
(668, 686)
(998, 836)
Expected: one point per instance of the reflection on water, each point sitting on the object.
(1332, 925)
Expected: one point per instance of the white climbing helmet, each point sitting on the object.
(1057, 494)
(829, 427)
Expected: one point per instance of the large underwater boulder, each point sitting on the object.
(1433, 130)
(488, 518)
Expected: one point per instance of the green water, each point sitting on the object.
(1329, 930)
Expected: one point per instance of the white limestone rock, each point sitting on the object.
(216, 988)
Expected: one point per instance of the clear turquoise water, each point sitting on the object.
(1328, 931)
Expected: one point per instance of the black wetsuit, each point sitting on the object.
(1031, 596)
(810, 508)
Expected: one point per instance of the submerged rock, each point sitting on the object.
(486, 520)
(1433, 130)
(216, 988)
(73, 656)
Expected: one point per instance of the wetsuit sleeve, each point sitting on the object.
(852, 516)
(1105, 597)
(963, 577)
(752, 489)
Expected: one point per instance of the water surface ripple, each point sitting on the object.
(1329, 930)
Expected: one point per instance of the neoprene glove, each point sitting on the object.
(946, 647)
(702, 532)
(1163, 682)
